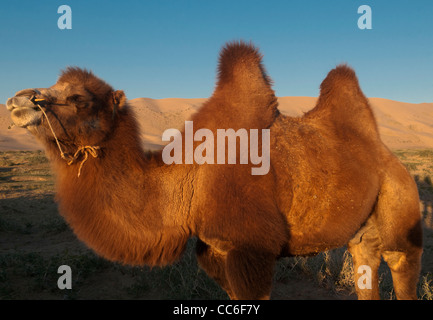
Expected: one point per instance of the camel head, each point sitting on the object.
(79, 109)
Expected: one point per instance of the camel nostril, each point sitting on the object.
(10, 104)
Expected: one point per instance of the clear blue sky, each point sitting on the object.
(162, 49)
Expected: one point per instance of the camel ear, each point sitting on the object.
(119, 98)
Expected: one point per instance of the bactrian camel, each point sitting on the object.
(332, 182)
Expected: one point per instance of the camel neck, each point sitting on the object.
(118, 204)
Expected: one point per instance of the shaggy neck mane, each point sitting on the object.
(117, 205)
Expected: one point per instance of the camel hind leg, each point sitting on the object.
(365, 249)
(398, 221)
(392, 232)
(405, 269)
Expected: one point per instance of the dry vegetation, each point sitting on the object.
(35, 241)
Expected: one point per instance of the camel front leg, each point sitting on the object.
(214, 263)
(249, 273)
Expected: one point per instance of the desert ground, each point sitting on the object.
(35, 241)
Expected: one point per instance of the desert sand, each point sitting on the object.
(402, 125)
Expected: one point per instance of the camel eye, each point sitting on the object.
(78, 100)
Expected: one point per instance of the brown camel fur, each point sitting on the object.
(332, 182)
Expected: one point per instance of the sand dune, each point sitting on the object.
(15, 138)
(401, 125)
(155, 116)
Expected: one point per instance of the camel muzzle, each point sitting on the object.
(25, 99)
(24, 111)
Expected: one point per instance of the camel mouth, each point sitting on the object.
(23, 111)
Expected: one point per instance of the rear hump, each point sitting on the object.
(343, 103)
